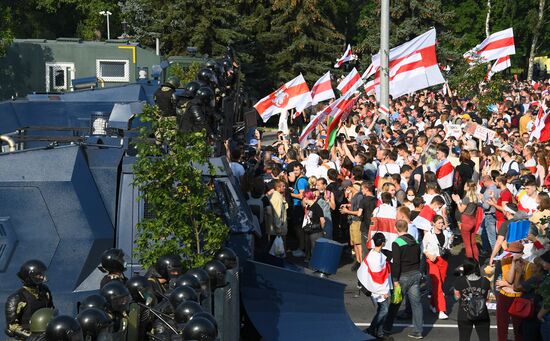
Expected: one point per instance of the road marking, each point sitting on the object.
(359, 324)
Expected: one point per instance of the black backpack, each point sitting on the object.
(474, 305)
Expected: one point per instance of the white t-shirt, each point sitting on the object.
(510, 164)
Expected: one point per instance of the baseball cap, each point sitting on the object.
(507, 148)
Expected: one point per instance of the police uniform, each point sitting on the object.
(21, 305)
(113, 277)
(165, 99)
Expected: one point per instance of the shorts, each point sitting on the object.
(355, 233)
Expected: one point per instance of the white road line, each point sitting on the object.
(359, 324)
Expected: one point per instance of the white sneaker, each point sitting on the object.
(298, 253)
(442, 315)
(432, 308)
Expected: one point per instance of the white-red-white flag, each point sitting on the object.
(413, 66)
(499, 44)
(375, 274)
(293, 94)
(322, 89)
(501, 64)
(383, 221)
(350, 83)
(423, 220)
(371, 70)
(348, 56)
(444, 174)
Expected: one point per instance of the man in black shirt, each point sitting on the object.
(405, 274)
(367, 206)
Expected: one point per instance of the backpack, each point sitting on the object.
(474, 304)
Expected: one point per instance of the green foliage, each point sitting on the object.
(177, 193)
(6, 35)
(185, 74)
(469, 82)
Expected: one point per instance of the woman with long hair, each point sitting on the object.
(468, 212)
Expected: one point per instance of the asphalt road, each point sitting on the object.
(361, 309)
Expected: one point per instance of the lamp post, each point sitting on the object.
(384, 54)
(107, 14)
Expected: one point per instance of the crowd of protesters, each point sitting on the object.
(380, 188)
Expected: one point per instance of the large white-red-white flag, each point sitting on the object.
(500, 64)
(444, 174)
(350, 83)
(322, 89)
(374, 273)
(348, 56)
(383, 221)
(293, 94)
(541, 128)
(499, 44)
(413, 66)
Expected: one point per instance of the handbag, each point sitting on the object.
(278, 247)
(522, 308)
(310, 227)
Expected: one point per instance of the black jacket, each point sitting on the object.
(21, 305)
(406, 256)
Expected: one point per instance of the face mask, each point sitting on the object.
(410, 197)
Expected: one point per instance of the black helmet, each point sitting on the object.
(94, 301)
(174, 81)
(169, 266)
(202, 276)
(94, 321)
(40, 319)
(228, 257)
(211, 64)
(64, 328)
(117, 296)
(112, 260)
(192, 87)
(208, 76)
(207, 316)
(216, 271)
(189, 280)
(33, 272)
(186, 310)
(140, 289)
(200, 329)
(206, 95)
(182, 294)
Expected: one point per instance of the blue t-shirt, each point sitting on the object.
(300, 185)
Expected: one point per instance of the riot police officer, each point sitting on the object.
(64, 328)
(112, 262)
(118, 305)
(95, 324)
(167, 267)
(165, 96)
(23, 303)
(39, 323)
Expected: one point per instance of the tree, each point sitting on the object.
(179, 195)
(408, 19)
(6, 35)
(300, 40)
(536, 35)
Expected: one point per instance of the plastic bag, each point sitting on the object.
(396, 295)
(278, 247)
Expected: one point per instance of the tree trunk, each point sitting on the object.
(488, 18)
(536, 35)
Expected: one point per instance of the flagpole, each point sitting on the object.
(384, 55)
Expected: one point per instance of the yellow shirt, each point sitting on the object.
(523, 121)
(506, 264)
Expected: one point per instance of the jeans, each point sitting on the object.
(328, 229)
(311, 238)
(489, 232)
(297, 219)
(410, 287)
(375, 328)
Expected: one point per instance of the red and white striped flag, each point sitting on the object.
(315, 121)
(499, 44)
(322, 89)
(541, 130)
(348, 56)
(444, 174)
(375, 273)
(413, 66)
(293, 94)
(501, 64)
(350, 83)
(383, 221)
(424, 219)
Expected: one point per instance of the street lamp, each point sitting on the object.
(107, 14)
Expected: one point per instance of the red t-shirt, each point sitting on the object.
(507, 196)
